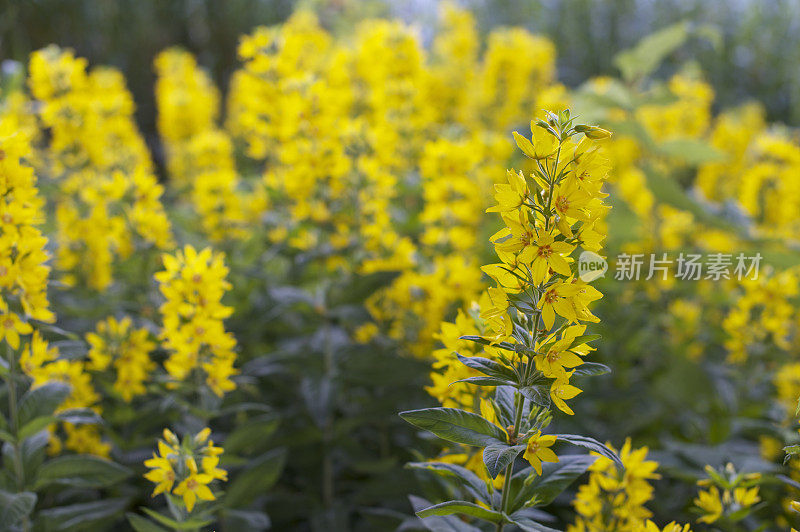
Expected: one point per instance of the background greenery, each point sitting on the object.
(753, 54)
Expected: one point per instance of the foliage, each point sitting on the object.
(310, 263)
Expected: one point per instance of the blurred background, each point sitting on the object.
(750, 51)
(338, 329)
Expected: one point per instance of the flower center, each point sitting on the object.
(545, 251)
(562, 204)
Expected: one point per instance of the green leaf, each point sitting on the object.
(245, 520)
(792, 449)
(529, 525)
(142, 524)
(81, 471)
(555, 478)
(583, 339)
(41, 401)
(15, 506)
(788, 481)
(459, 426)
(498, 456)
(251, 436)
(79, 416)
(77, 516)
(486, 381)
(538, 394)
(592, 369)
(644, 58)
(465, 508)
(490, 368)
(189, 524)
(466, 478)
(255, 478)
(483, 341)
(592, 445)
(35, 425)
(440, 523)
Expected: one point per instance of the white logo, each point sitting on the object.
(591, 266)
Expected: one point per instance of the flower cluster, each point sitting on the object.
(534, 274)
(614, 499)
(117, 344)
(728, 495)
(199, 154)
(108, 192)
(186, 468)
(23, 272)
(193, 332)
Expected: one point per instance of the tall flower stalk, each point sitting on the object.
(533, 319)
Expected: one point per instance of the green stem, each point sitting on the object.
(19, 470)
(327, 429)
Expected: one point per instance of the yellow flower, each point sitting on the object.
(511, 196)
(558, 298)
(570, 203)
(194, 486)
(538, 450)
(177, 463)
(545, 253)
(560, 355)
(161, 473)
(496, 315)
(560, 391)
(710, 502)
(542, 144)
(11, 327)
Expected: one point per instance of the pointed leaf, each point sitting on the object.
(82, 471)
(459, 426)
(142, 524)
(486, 381)
(538, 394)
(80, 416)
(466, 478)
(80, 515)
(255, 479)
(443, 523)
(483, 341)
(464, 508)
(555, 478)
(15, 506)
(592, 445)
(41, 401)
(497, 457)
(529, 525)
(592, 369)
(189, 524)
(489, 367)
